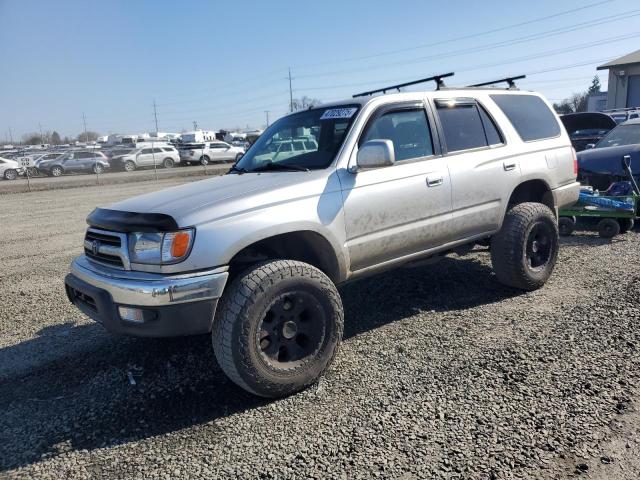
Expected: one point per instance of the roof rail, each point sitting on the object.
(509, 80)
(435, 78)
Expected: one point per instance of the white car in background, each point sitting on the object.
(10, 169)
(208, 152)
(162, 156)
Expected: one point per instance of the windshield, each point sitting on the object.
(621, 135)
(304, 140)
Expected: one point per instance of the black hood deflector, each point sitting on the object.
(119, 221)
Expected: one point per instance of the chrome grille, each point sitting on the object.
(107, 248)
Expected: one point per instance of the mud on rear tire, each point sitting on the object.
(245, 326)
(524, 251)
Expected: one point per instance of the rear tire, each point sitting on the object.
(56, 171)
(98, 169)
(204, 160)
(566, 225)
(626, 224)
(168, 163)
(239, 156)
(278, 327)
(608, 228)
(10, 174)
(524, 251)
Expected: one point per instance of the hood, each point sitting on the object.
(233, 194)
(587, 120)
(609, 152)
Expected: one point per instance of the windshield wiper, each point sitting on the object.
(270, 166)
(240, 170)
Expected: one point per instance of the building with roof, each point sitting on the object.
(624, 81)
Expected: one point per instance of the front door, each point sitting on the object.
(402, 209)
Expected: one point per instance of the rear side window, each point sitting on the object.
(169, 150)
(529, 115)
(490, 129)
(462, 126)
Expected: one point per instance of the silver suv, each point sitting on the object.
(253, 257)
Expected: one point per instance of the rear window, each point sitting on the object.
(529, 115)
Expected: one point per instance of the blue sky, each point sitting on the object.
(224, 63)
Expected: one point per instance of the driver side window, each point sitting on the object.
(407, 129)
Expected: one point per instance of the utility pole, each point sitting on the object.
(267, 112)
(155, 114)
(195, 125)
(290, 92)
(41, 137)
(84, 122)
(10, 136)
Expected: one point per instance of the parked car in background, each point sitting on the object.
(46, 157)
(77, 161)
(601, 165)
(165, 156)
(281, 150)
(586, 128)
(117, 152)
(9, 169)
(621, 115)
(208, 152)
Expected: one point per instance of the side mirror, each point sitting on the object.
(590, 145)
(376, 154)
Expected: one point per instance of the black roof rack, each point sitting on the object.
(508, 80)
(435, 78)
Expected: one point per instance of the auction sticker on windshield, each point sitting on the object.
(338, 113)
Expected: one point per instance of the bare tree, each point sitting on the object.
(304, 103)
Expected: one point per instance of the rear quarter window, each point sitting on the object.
(529, 115)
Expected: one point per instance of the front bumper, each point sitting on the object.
(566, 195)
(172, 305)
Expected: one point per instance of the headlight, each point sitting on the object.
(157, 248)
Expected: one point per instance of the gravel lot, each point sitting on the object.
(443, 373)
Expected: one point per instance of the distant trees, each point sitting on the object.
(578, 102)
(53, 138)
(304, 103)
(89, 136)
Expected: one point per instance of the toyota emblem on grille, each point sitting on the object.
(95, 246)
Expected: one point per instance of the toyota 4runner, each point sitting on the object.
(253, 257)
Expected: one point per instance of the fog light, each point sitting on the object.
(129, 314)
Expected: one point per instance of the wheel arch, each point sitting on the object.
(535, 190)
(303, 245)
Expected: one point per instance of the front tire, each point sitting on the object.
(56, 171)
(204, 160)
(278, 327)
(10, 174)
(129, 166)
(98, 169)
(524, 251)
(168, 163)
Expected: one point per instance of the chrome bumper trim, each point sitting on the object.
(152, 290)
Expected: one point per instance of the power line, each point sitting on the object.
(463, 37)
(505, 43)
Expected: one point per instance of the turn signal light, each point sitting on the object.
(180, 244)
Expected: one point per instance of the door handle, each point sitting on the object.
(434, 181)
(509, 166)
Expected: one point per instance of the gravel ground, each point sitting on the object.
(442, 373)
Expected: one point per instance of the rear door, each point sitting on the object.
(483, 174)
